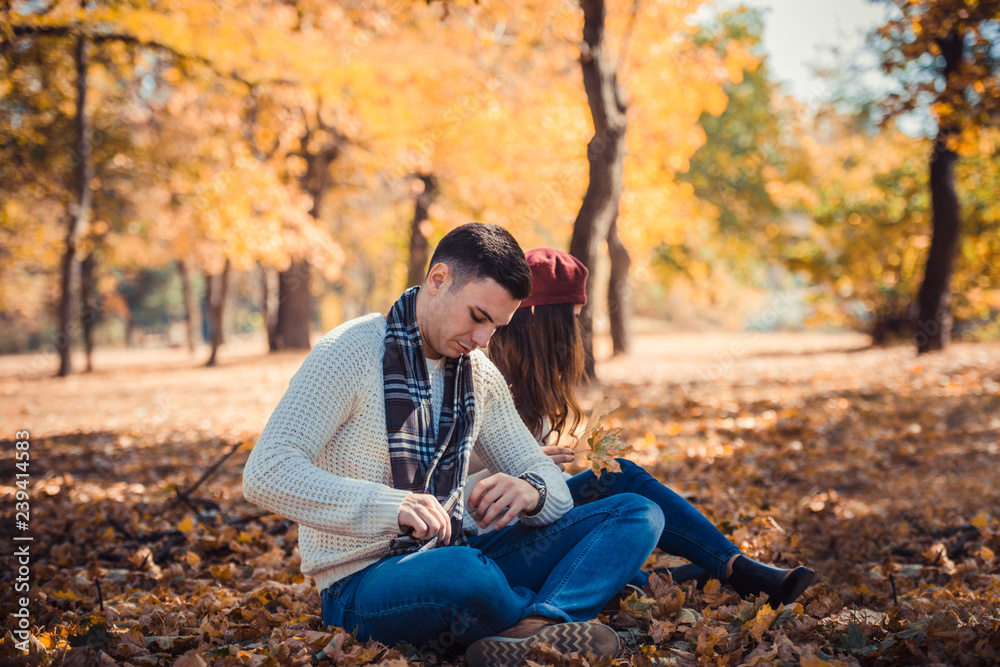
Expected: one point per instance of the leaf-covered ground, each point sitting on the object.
(876, 468)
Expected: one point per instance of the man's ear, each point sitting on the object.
(438, 278)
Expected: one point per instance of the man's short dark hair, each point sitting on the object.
(477, 251)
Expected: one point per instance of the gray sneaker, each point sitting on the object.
(509, 651)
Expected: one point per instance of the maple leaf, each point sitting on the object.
(604, 445)
(762, 622)
(632, 609)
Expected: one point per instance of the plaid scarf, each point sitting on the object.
(420, 461)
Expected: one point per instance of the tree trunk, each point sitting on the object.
(88, 300)
(130, 331)
(229, 307)
(217, 302)
(294, 307)
(79, 215)
(605, 153)
(192, 314)
(294, 299)
(932, 328)
(619, 293)
(419, 246)
(267, 298)
(205, 307)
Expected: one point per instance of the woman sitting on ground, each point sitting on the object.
(540, 353)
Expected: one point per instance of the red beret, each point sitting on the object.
(556, 277)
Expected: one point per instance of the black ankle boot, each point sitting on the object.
(782, 586)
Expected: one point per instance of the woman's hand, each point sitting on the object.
(501, 492)
(560, 455)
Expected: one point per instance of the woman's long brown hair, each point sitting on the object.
(540, 354)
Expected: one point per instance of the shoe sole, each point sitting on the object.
(564, 637)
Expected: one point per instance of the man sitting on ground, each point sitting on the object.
(369, 449)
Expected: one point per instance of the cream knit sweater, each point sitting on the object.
(323, 458)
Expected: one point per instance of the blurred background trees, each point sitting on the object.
(947, 53)
(193, 170)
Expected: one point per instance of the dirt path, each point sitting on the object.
(169, 390)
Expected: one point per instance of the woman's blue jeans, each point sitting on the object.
(686, 533)
(453, 595)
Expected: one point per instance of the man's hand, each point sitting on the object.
(423, 513)
(500, 492)
(560, 455)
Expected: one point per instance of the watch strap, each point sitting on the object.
(536, 481)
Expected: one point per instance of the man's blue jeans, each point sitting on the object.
(686, 533)
(452, 595)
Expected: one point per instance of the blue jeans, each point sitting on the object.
(452, 595)
(686, 533)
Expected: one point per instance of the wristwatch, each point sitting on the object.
(536, 481)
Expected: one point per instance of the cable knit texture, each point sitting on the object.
(323, 458)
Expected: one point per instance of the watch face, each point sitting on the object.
(533, 478)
